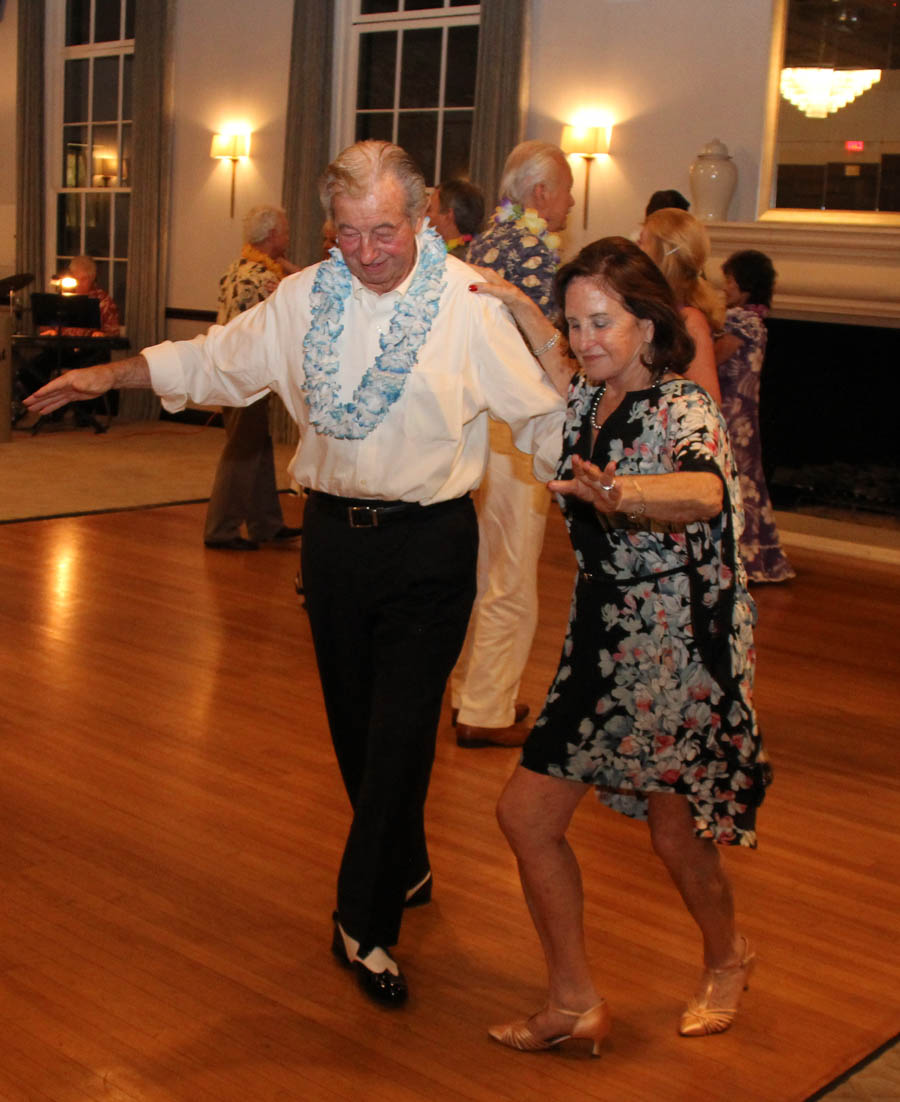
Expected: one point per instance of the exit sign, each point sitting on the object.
(854, 146)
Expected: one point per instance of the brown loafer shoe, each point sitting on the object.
(522, 711)
(473, 737)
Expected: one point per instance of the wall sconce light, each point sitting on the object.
(587, 142)
(231, 147)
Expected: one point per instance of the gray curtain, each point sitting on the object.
(500, 88)
(306, 147)
(31, 194)
(150, 173)
(308, 125)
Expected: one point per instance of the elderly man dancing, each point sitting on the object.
(390, 367)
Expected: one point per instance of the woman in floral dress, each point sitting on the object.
(652, 701)
(740, 350)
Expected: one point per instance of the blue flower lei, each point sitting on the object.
(383, 382)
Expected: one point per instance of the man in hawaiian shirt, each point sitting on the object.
(392, 369)
(244, 489)
(521, 245)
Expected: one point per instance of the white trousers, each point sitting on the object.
(512, 514)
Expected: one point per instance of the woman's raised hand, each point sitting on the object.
(597, 486)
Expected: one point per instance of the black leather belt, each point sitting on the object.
(374, 513)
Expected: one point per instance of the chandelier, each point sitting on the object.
(821, 92)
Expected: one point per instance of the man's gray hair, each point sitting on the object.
(357, 170)
(530, 163)
(86, 264)
(259, 223)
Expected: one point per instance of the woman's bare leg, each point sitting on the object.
(694, 865)
(534, 812)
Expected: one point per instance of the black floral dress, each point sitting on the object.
(654, 691)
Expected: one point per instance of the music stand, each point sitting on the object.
(65, 311)
(49, 311)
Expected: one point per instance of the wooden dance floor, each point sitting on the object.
(172, 819)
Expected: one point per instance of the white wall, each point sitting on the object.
(672, 74)
(8, 138)
(231, 62)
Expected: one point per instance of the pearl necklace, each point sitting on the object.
(595, 405)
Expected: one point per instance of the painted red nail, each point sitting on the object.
(473, 286)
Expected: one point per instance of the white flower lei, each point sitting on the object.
(383, 382)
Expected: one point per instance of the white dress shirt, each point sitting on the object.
(433, 443)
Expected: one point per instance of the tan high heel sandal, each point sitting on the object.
(593, 1025)
(713, 1008)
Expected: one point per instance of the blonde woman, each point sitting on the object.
(679, 246)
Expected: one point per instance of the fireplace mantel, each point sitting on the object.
(842, 273)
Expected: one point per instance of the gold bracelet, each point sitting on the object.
(637, 513)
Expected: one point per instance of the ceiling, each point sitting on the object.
(844, 34)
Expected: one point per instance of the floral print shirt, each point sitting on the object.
(518, 247)
(245, 282)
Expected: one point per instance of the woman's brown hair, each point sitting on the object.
(629, 273)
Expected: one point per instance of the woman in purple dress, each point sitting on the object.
(749, 282)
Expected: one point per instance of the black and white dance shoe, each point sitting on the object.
(385, 986)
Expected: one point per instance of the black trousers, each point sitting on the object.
(388, 609)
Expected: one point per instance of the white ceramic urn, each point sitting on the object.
(713, 180)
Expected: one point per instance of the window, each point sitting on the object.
(411, 79)
(89, 136)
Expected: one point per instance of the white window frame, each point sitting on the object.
(349, 24)
(56, 54)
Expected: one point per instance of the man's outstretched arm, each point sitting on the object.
(89, 382)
